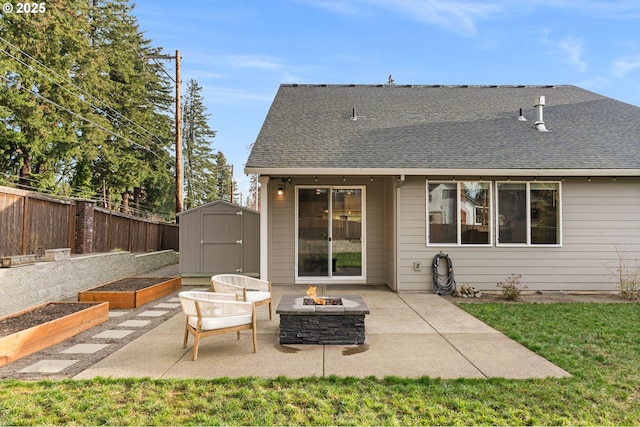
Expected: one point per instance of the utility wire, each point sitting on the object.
(81, 97)
(83, 92)
(80, 116)
(146, 211)
(163, 70)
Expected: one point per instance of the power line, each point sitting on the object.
(83, 92)
(80, 116)
(75, 195)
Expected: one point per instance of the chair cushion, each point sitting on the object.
(257, 296)
(211, 323)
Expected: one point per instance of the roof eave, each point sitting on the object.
(438, 172)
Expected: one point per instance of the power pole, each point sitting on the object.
(179, 177)
(178, 139)
(231, 183)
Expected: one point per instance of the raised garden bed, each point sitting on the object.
(46, 324)
(131, 292)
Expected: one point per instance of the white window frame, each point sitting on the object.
(458, 222)
(528, 213)
(362, 279)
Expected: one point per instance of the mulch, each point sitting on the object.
(131, 284)
(49, 312)
(546, 298)
(37, 316)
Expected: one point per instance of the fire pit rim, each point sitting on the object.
(293, 304)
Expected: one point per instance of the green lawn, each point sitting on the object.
(599, 344)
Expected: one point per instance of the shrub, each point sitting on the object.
(511, 288)
(628, 278)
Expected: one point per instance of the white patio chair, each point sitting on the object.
(247, 288)
(210, 313)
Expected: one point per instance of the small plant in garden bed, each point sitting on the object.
(512, 287)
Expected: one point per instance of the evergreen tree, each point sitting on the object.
(200, 178)
(227, 185)
(253, 198)
(139, 99)
(43, 68)
(84, 111)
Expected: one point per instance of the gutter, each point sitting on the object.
(439, 172)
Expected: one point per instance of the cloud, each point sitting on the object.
(233, 96)
(203, 59)
(459, 16)
(623, 66)
(254, 61)
(574, 48)
(453, 15)
(337, 6)
(619, 9)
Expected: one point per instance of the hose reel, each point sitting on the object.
(443, 284)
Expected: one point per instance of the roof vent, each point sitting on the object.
(521, 117)
(539, 105)
(354, 116)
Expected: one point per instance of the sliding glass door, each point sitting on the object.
(330, 239)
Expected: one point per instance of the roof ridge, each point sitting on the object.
(422, 85)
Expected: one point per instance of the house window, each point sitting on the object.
(528, 213)
(459, 213)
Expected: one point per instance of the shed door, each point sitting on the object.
(221, 242)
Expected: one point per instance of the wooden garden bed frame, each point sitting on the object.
(36, 338)
(131, 299)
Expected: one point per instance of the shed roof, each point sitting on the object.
(439, 128)
(218, 205)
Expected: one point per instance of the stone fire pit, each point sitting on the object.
(339, 321)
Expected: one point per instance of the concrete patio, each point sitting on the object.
(407, 335)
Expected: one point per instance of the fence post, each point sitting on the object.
(84, 227)
(25, 225)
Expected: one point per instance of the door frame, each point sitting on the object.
(228, 245)
(362, 279)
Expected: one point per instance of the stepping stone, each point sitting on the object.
(174, 300)
(135, 323)
(113, 333)
(154, 313)
(85, 348)
(48, 366)
(117, 313)
(167, 305)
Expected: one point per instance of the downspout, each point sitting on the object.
(264, 227)
(397, 187)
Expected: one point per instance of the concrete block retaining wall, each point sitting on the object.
(29, 285)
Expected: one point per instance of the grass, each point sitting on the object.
(348, 259)
(599, 344)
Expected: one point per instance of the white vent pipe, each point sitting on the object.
(539, 106)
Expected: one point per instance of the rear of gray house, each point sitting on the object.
(365, 184)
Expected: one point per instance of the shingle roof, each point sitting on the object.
(445, 127)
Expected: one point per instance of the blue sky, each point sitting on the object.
(240, 51)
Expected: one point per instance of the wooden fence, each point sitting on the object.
(32, 222)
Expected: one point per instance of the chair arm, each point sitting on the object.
(216, 296)
(218, 286)
(259, 285)
(214, 309)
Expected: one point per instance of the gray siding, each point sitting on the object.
(282, 238)
(601, 221)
